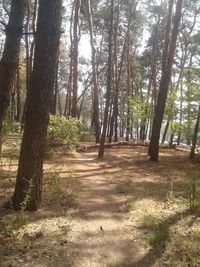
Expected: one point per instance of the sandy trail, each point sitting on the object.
(101, 232)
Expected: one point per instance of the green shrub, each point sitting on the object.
(9, 125)
(63, 131)
(158, 230)
(87, 134)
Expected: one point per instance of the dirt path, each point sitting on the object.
(118, 212)
(101, 232)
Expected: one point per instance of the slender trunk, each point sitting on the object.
(29, 53)
(114, 116)
(75, 57)
(68, 101)
(181, 116)
(55, 93)
(95, 95)
(18, 89)
(195, 135)
(59, 105)
(109, 82)
(128, 91)
(171, 140)
(118, 80)
(165, 132)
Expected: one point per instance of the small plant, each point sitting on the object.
(20, 220)
(193, 197)
(170, 194)
(21, 217)
(193, 192)
(11, 223)
(55, 183)
(158, 230)
(26, 201)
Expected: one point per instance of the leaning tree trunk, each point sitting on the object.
(30, 170)
(8, 63)
(164, 84)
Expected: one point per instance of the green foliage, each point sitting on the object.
(63, 131)
(87, 134)
(170, 105)
(26, 201)
(10, 126)
(139, 108)
(175, 127)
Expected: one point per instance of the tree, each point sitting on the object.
(95, 97)
(168, 58)
(30, 170)
(195, 135)
(109, 82)
(8, 63)
(75, 57)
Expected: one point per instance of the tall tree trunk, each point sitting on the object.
(30, 170)
(18, 89)
(195, 135)
(75, 57)
(56, 89)
(29, 53)
(114, 118)
(68, 101)
(95, 96)
(8, 63)
(128, 91)
(164, 84)
(165, 132)
(181, 116)
(109, 82)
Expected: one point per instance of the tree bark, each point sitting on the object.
(30, 170)
(75, 57)
(164, 84)
(18, 89)
(95, 95)
(114, 118)
(109, 82)
(165, 132)
(195, 135)
(68, 101)
(8, 63)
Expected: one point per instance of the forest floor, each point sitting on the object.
(116, 212)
